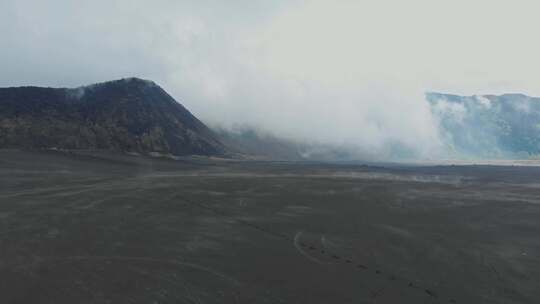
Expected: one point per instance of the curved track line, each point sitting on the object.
(299, 248)
(326, 243)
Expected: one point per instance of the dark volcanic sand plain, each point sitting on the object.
(100, 228)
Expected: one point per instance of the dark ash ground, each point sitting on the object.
(122, 229)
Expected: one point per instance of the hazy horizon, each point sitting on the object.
(343, 73)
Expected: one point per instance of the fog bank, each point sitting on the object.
(348, 73)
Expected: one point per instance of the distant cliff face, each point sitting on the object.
(124, 115)
(505, 126)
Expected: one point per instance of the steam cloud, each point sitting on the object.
(345, 73)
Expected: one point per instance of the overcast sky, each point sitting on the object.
(332, 71)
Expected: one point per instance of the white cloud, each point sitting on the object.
(484, 101)
(333, 71)
(454, 111)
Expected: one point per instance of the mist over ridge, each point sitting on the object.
(345, 74)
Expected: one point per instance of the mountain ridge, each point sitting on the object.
(137, 115)
(488, 126)
(129, 114)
